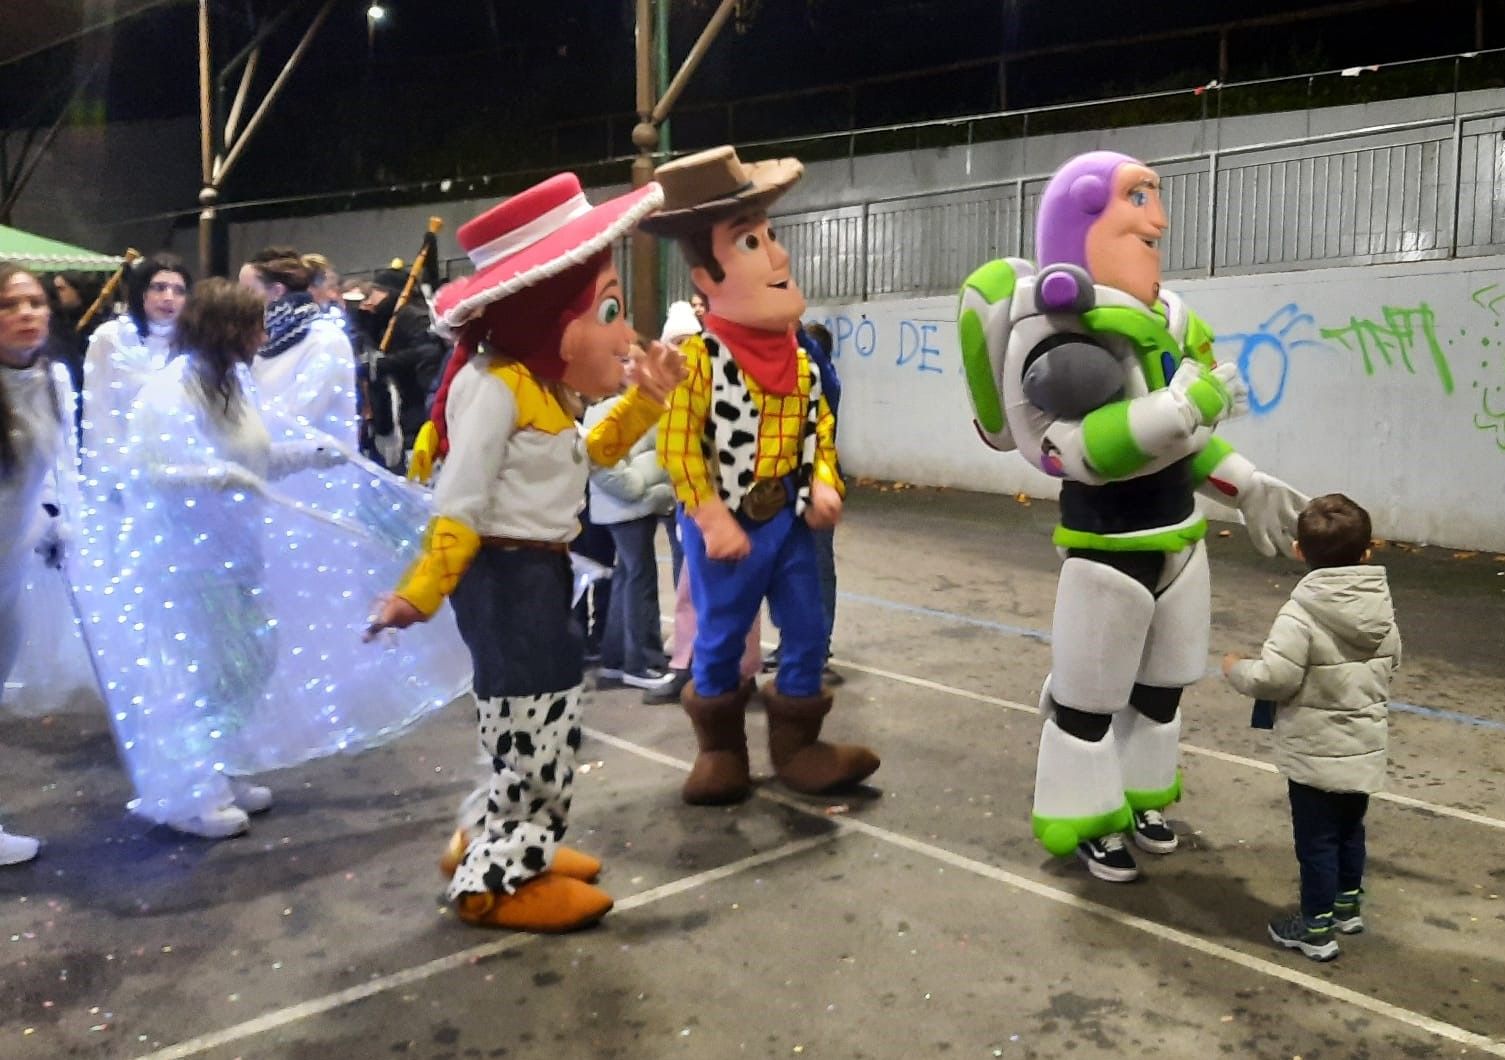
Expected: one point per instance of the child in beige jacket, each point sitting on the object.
(1327, 665)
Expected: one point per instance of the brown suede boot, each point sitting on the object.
(547, 903)
(720, 774)
(800, 758)
(567, 860)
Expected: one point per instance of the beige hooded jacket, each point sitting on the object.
(1327, 664)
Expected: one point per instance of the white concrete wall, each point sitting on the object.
(1385, 382)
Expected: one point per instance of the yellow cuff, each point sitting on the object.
(824, 472)
(448, 548)
(631, 418)
(425, 448)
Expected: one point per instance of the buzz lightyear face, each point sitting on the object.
(1123, 244)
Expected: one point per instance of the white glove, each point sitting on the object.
(1270, 508)
(1208, 396)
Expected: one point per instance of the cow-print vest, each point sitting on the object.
(730, 441)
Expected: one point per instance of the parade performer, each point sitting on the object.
(1106, 382)
(35, 451)
(750, 445)
(123, 352)
(539, 326)
(219, 610)
(305, 370)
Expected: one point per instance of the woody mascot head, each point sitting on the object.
(749, 443)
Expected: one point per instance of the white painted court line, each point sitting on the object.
(1259, 965)
(1189, 748)
(451, 962)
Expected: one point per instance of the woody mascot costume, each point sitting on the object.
(540, 326)
(1103, 380)
(749, 443)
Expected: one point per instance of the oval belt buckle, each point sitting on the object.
(764, 499)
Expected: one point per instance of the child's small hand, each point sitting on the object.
(1229, 660)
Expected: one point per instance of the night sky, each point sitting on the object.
(460, 87)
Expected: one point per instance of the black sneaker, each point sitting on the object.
(1313, 937)
(1152, 834)
(1108, 858)
(1346, 916)
(771, 661)
(671, 693)
(831, 677)
(648, 680)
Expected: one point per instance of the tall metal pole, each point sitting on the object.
(207, 193)
(645, 296)
(661, 72)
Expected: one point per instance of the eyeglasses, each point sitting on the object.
(166, 287)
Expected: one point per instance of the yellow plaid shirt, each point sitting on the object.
(781, 428)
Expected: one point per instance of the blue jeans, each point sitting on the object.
(727, 595)
(631, 641)
(1329, 831)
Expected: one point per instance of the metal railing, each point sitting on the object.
(1403, 192)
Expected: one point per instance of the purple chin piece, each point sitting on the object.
(1071, 203)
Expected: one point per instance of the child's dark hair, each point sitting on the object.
(1333, 531)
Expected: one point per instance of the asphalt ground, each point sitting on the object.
(915, 917)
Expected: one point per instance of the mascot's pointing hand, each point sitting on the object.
(656, 371)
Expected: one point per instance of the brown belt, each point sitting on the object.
(518, 542)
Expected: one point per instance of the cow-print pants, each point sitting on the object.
(531, 742)
(513, 609)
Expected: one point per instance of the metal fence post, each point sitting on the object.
(1019, 218)
(862, 241)
(1212, 212)
(1457, 183)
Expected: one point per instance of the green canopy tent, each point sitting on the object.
(48, 255)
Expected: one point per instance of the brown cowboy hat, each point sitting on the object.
(709, 186)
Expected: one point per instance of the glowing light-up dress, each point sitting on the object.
(224, 582)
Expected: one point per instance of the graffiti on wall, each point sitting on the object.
(1490, 415)
(1402, 337)
(1264, 354)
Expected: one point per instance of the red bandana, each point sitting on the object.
(770, 357)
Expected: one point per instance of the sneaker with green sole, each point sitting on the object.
(1346, 916)
(1313, 936)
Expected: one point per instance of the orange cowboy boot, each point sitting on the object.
(548, 904)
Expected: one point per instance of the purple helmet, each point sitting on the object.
(1072, 201)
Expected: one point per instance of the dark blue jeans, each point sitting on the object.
(1329, 831)
(632, 641)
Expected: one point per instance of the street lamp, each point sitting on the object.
(375, 13)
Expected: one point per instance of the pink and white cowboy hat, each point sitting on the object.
(536, 234)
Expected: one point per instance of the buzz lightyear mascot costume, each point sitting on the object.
(1101, 379)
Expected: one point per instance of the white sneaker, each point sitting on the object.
(253, 798)
(14, 849)
(222, 823)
